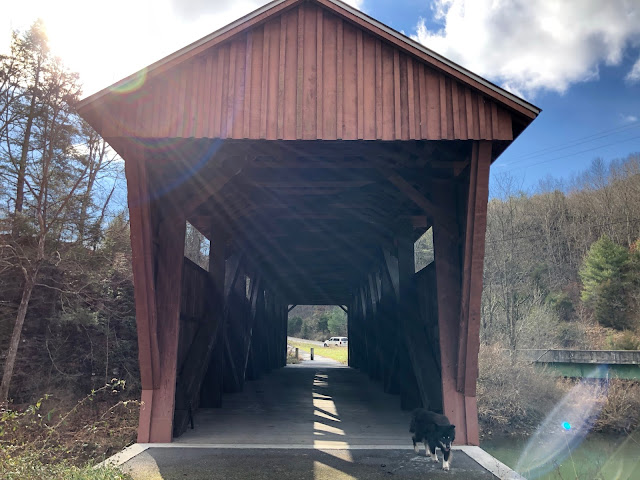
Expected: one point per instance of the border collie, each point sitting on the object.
(434, 430)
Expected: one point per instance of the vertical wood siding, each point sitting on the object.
(306, 74)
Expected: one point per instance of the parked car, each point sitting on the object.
(337, 342)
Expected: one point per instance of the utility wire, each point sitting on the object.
(578, 141)
(575, 143)
(574, 154)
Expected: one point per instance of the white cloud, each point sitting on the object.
(634, 75)
(533, 45)
(629, 118)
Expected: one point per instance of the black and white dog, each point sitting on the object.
(435, 431)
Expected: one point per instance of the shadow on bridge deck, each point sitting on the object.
(314, 420)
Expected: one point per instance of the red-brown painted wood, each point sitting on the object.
(303, 66)
(168, 296)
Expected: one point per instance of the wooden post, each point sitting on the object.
(459, 254)
(211, 392)
(157, 297)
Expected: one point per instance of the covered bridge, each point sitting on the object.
(312, 145)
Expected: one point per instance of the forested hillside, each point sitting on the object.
(565, 261)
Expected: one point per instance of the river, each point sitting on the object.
(597, 457)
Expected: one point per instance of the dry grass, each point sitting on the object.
(42, 440)
(340, 354)
(512, 395)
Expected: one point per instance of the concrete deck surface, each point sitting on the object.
(314, 420)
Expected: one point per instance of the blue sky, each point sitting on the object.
(597, 112)
(578, 60)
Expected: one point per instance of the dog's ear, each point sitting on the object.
(452, 429)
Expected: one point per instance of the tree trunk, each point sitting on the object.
(25, 145)
(9, 365)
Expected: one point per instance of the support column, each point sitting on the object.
(211, 391)
(157, 297)
(459, 253)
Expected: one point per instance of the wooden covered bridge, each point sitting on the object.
(312, 145)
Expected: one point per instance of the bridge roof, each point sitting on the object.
(309, 129)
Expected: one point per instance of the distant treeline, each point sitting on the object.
(564, 260)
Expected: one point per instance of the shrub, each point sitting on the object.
(504, 391)
(627, 341)
(620, 406)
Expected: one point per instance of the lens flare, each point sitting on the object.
(562, 430)
(132, 84)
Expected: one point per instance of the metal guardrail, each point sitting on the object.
(592, 357)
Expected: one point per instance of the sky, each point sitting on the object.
(578, 60)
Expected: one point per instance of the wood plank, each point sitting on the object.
(229, 87)
(339, 80)
(216, 89)
(290, 76)
(207, 98)
(424, 101)
(482, 118)
(369, 87)
(443, 107)
(397, 122)
(281, 73)
(469, 112)
(495, 126)
(411, 96)
(360, 81)
(300, 75)
(405, 112)
(455, 107)
(272, 92)
(388, 100)
(240, 90)
(433, 105)
(182, 102)
(379, 121)
(265, 82)
(506, 129)
(329, 68)
(248, 89)
(320, 72)
(309, 92)
(257, 82)
(350, 87)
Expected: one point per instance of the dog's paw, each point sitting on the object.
(434, 458)
(445, 466)
(416, 448)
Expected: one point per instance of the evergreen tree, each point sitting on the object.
(605, 282)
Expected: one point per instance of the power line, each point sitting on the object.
(575, 143)
(574, 154)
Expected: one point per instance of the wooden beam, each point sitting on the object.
(344, 309)
(211, 390)
(411, 192)
(168, 291)
(474, 242)
(291, 308)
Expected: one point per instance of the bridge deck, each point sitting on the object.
(313, 420)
